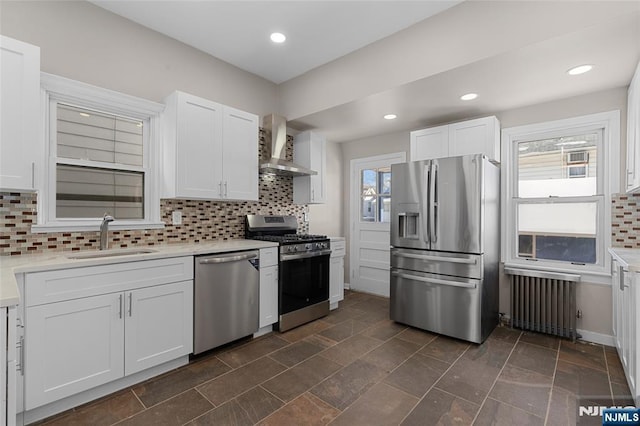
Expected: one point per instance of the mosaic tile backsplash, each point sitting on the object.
(201, 220)
(625, 223)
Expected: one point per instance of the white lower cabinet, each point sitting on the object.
(336, 272)
(89, 340)
(626, 299)
(268, 286)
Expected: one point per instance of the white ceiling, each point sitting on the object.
(238, 31)
(528, 73)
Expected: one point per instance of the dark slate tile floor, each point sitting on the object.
(356, 367)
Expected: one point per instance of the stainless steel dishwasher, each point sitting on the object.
(226, 296)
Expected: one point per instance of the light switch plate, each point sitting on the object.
(176, 218)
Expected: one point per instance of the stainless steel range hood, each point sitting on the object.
(276, 140)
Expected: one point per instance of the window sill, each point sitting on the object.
(94, 225)
(586, 276)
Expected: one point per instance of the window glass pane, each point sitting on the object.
(368, 212)
(559, 167)
(88, 192)
(558, 231)
(84, 134)
(368, 184)
(384, 214)
(384, 180)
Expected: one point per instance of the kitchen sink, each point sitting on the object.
(109, 253)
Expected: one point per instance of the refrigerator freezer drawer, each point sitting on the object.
(456, 264)
(446, 305)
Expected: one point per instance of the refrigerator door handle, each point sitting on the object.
(426, 204)
(433, 280)
(433, 203)
(465, 261)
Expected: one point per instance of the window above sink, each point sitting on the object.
(100, 158)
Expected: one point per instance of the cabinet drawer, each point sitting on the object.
(338, 248)
(67, 284)
(268, 257)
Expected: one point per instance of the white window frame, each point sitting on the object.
(608, 165)
(56, 89)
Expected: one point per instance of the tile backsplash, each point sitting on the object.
(625, 221)
(202, 220)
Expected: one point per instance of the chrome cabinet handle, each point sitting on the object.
(20, 347)
(130, 304)
(226, 192)
(220, 189)
(120, 304)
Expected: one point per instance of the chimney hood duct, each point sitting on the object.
(276, 141)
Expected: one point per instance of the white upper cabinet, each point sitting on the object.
(210, 151)
(479, 136)
(633, 134)
(240, 154)
(430, 143)
(20, 143)
(310, 150)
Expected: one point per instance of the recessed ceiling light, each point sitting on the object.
(469, 96)
(278, 37)
(580, 69)
(84, 114)
(390, 117)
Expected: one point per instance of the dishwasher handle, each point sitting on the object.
(227, 259)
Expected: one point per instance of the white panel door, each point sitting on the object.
(240, 155)
(73, 346)
(20, 144)
(199, 148)
(158, 325)
(427, 144)
(370, 216)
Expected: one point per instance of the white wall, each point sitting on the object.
(84, 42)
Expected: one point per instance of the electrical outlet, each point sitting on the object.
(176, 218)
(305, 216)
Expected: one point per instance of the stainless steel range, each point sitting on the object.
(303, 268)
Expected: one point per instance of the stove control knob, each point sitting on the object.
(307, 246)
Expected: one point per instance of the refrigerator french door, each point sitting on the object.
(445, 246)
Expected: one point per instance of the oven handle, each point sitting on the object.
(226, 259)
(285, 257)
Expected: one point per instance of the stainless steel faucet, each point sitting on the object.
(104, 231)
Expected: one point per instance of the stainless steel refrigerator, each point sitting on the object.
(445, 245)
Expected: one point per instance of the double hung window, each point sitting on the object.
(100, 158)
(558, 184)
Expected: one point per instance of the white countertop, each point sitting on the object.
(12, 265)
(628, 258)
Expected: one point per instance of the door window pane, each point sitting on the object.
(558, 167)
(558, 231)
(375, 194)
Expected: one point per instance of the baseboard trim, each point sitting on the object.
(593, 337)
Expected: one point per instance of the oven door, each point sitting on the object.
(303, 280)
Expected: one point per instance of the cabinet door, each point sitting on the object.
(480, 136)
(430, 143)
(336, 280)
(72, 346)
(319, 164)
(240, 155)
(616, 298)
(268, 296)
(158, 325)
(20, 143)
(199, 148)
(310, 150)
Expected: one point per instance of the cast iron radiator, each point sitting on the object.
(544, 302)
